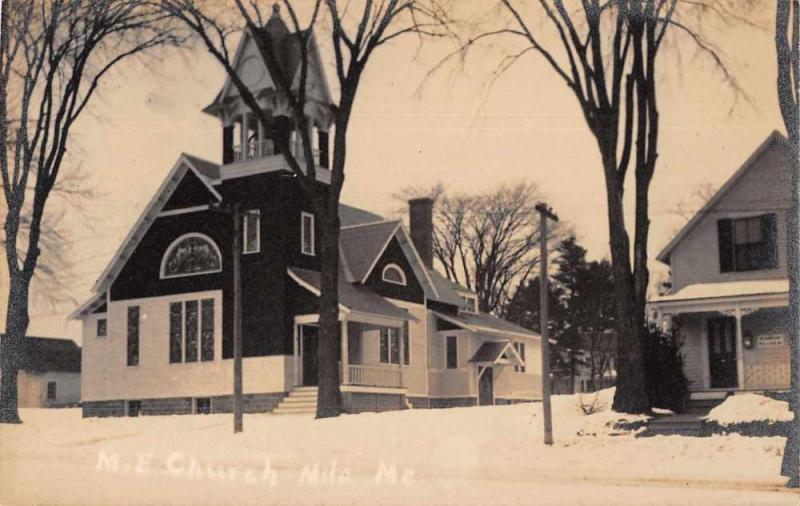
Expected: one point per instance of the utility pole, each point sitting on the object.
(545, 213)
(237, 319)
(236, 213)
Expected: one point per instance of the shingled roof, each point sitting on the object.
(362, 244)
(49, 354)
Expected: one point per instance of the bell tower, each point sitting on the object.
(244, 138)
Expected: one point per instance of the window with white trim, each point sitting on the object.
(51, 390)
(307, 246)
(520, 347)
(189, 255)
(102, 327)
(452, 352)
(470, 303)
(392, 273)
(252, 231)
(191, 331)
(391, 341)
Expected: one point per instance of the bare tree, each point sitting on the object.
(488, 242)
(787, 46)
(375, 24)
(688, 206)
(53, 55)
(606, 54)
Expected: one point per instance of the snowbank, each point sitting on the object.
(745, 408)
(477, 455)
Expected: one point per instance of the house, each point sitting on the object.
(49, 374)
(157, 331)
(730, 288)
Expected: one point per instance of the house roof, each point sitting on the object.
(447, 289)
(49, 354)
(728, 289)
(352, 297)
(775, 138)
(349, 216)
(209, 170)
(495, 352)
(484, 323)
(363, 244)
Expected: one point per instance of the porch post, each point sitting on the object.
(345, 355)
(739, 348)
(243, 135)
(401, 358)
(295, 329)
(260, 144)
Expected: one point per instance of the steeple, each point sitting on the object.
(244, 138)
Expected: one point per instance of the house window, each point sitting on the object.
(406, 345)
(102, 327)
(189, 255)
(133, 335)
(307, 234)
(520, 347)
(470, 303)
(452, 352)
(191, 331)
(252, 231)
(390, 346)
(202, 406)
(51, 390)
(748, 244)
(134, 408)
(392, 273)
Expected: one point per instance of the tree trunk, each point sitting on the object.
(631, 394)
(329, 402)
(11, 346)
(791, 455)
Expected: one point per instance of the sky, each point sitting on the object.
(459, 128)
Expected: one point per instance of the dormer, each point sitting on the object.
(246, 144)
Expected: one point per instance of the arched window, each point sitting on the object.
(392, 273)
(191, 254)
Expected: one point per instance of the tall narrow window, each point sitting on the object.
(252, 231)
(133, 335)
(51, 390)
(307, 234)
(207, 330)
(390, 346)
(102, 327)
(191, 330)
(176, 332)
(452, 352)
(406, 345)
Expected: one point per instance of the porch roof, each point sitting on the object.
(484, 323)
(727, 292)
(351, 297)
(496, 352)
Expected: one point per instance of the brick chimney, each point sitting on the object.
(420, 213)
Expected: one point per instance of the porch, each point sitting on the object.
(732, 341)
(372, 353)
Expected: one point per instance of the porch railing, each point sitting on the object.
(375, 376)
(255, 150)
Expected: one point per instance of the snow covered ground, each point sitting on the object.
(486, 455)
(743, 408)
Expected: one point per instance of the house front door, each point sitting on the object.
(486, 387)
(722, 352)
(310, 369)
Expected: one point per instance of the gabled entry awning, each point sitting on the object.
(496, 353)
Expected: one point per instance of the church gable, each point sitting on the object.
(190, 192)
(393, 275)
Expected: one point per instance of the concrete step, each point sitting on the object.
(303, 395)
(294, 410)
